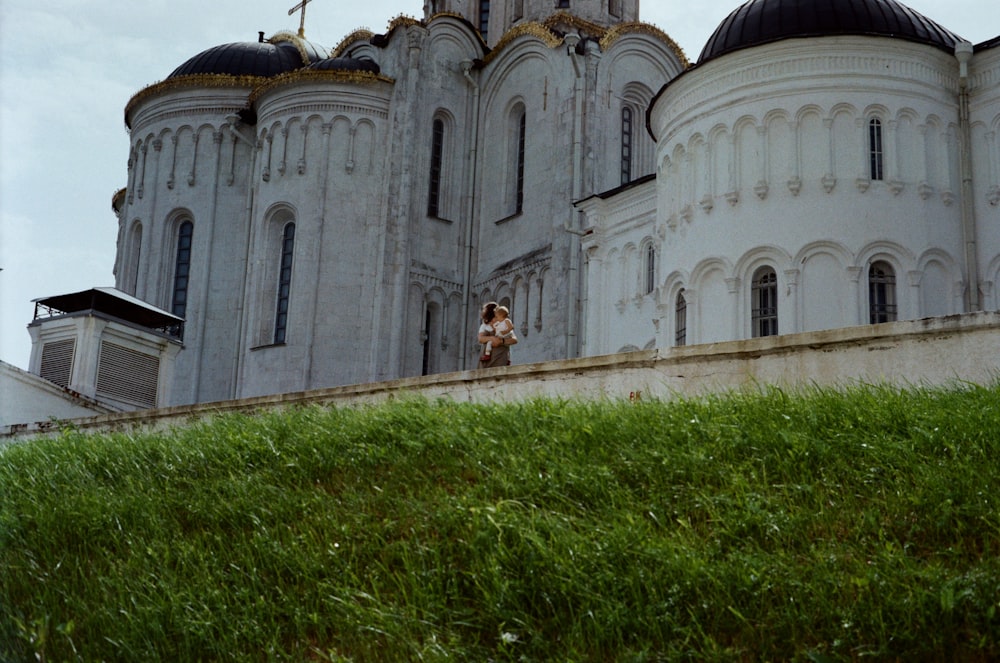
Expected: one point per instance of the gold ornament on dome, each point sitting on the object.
(445, 15)
(191, 81)
(316, 75)
(400, 21)
(531, 29)
(362, 34)
(623, 29)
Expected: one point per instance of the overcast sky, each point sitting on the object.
(68, 67)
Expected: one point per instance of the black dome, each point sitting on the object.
(346, 64)
(259, 58)
(762, 21)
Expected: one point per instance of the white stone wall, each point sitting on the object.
(984, 103)
(763, 161)
(187, 165)
(941, 352)
(322, 166)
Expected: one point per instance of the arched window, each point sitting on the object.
(680, 319)
(627, 138)
(764, 302)
(484, 17)
(875, 149)
(515, 186)
(881, 292)
(437, 157)
(284, 283)
(431, 334)
(182, 269)
(637, 157)
(649, 275)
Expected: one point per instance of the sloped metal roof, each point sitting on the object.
(259, 58)
(111, 301)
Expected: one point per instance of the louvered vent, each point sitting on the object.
(127, 375)
(57, 361)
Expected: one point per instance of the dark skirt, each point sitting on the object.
(500, 356)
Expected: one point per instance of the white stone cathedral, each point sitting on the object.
(297, 217)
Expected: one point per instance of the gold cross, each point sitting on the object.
(302, 17)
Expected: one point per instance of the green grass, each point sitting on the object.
(859, 524)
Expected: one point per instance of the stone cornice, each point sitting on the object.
(433, 280)
(507, 275)
(625, 29)
(317, 76)
(212, 114)
(298, 110)
(190, 82)
(785, 66)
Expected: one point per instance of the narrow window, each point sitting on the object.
(764, 302)
(650, 275)
(520, 163)
(182, 269)
(426, 362)
(680, 319)
(437, 151)
(881, 292)
(626, 145)
(284, 284)
(615, 8)
(875, 149)
(562, 4)
(514, 188)
(518, 10)
(135, 252)
(484, 17)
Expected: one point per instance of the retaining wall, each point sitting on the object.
(930, 352)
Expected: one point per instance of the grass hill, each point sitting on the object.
(818, 526)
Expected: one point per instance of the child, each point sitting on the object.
(502, 327)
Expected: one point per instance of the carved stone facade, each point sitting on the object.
(835, 166)
(343, 220)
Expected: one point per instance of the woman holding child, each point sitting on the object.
(497, 335)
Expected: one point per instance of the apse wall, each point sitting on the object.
(765, 158)
(188, 174)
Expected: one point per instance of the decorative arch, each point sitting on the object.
(938, 273)
(133, 254)
(529, 53)
(897, 254)
(711, 316)
(883, 299)
(826, 286)
(363, 146)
